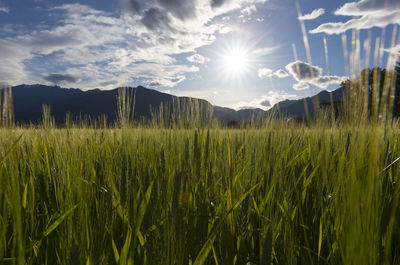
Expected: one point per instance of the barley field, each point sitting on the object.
(285, 194)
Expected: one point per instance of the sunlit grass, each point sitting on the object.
(289, 195)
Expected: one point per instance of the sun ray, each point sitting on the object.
(236, 61)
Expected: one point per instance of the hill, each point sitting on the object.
(296, 109)
(28, 101)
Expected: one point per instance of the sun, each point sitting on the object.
(235, 61)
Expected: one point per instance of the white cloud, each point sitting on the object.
(394, 50)
(198, 58)
(102, 50)
(4, 8)
(364, 7)
(301, 86)
(313, 15)
(167, 82)
(366, 14)
(266, 72)
(209, 94)
(264, 51)
(264, 102)
(306, 74)
(153, 70)
(248, 10)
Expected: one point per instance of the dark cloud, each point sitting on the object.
(60, 78)
(133, 5)
(281, 73)
(155, 18)
(303, 71)
(177, 79)
(266, 103)
(328, 79)
(155, 83)
(325, 81)
(307, 74)
(217, 3)
(178, 8)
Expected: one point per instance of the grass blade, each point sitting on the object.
(57, 222)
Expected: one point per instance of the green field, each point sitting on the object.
(288, 194)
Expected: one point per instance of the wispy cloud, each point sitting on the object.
(198, 58)
(4, 8)
(313, 15)
(266, 101)
(167, 82)
(301, 86)
(105, 49)
(394, 50)
(264, 51)
(266, 72)
(366, 14)
(248, 10)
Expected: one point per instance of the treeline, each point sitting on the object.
(373, 96)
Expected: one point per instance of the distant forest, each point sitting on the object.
(379, 88)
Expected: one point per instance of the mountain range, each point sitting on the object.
(28, 101)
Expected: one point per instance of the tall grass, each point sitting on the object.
(6, 107)
(126, 106)
(183, 113)
(285, 195)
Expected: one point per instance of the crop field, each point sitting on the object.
(199, 132)
(286, 194)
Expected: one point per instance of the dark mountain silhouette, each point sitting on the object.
(296, 109)
(242, 115)
(29, 99)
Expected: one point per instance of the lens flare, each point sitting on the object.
(236, 61)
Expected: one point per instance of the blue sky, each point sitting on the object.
(236, 53)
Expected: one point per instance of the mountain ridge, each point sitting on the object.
(28, 101)
(295, 108)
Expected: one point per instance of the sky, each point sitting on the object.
(233, 53)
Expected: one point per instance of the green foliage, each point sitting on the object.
(373, 96)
